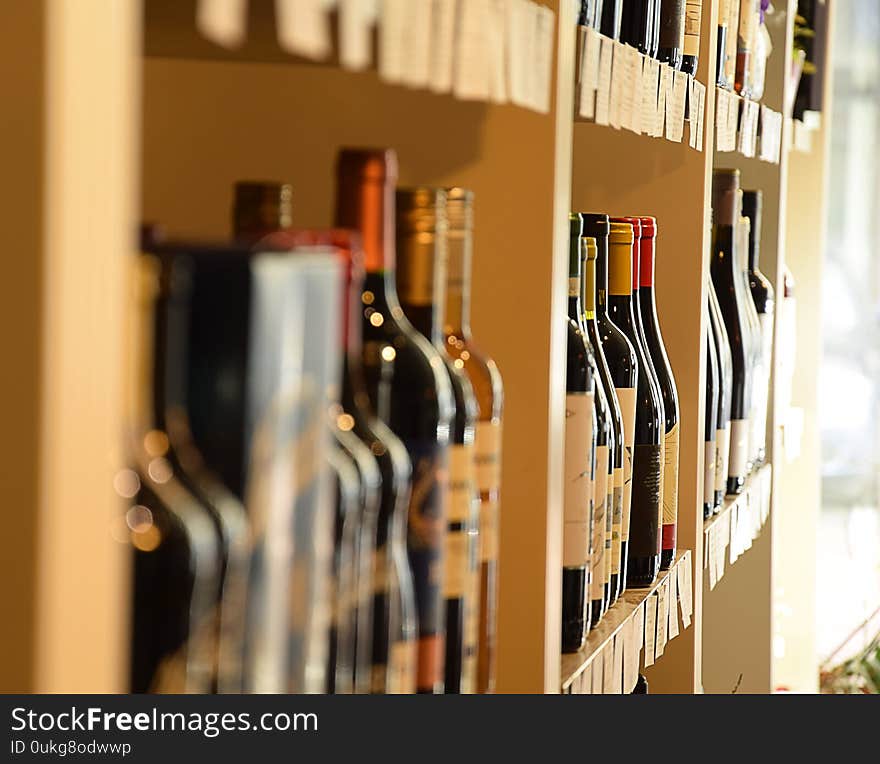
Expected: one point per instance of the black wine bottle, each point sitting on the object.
(671, 32)
(408, 388)
(603, 484)
(711, 423)
(725, 397)
(421, 286)
(614, 500)
(643, 562)
(637, 24)
(623, 369)
(580, 463)
(725, 277)
(764, 297)
(612, 11)
(693, 17)
(647, 306)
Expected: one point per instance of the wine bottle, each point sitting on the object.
(227, 511)
(580, 463)
(489, 390)
(421, 286)
(623, 369)
(764, 298)
(666, 381)
(754, 334)
(262, 218)
(637, 24)
(721, 42)
(408, 388)
(711, 424)
(748, 23)
(731, 43)
(590, 13)
(693, 18)
(725, 397)
(176, 551)
(614, 502)
(611, 14)
(643, 561)
(671, 32)
(725, 276)
(341, 637)
(603, 483)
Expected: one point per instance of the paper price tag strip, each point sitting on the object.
(223, 22)
(673, 605)
(675, 107)
(603, 86)
(303, 27)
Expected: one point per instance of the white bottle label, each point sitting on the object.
(457, 567)
(578, 488)
(739, 448)
(600, 504)
(670, 476)
(722, 457)
(487, 445)
(462, 488)
(709, 473)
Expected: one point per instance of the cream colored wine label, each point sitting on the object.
(487, 463)
(739, 448)
(462, 487)
(600, 504)
(626, 397)
(709, 472)
(402, 663)
(722, 445)
(617, 520)
(455, 582)
(670, 476)
(578, 489)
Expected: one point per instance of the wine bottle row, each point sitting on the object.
(739, 343)
(621, 423)
(743, 47)
(314, 449)
(668, 30)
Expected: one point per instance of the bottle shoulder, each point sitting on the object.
(482, 372)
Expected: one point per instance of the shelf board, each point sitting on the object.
(623, 611)
(731, 532)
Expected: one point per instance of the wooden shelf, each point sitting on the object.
(602, 638)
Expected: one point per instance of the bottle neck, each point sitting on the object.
(421, 277)
(620, 269)
(366, 205)
(575, 311)
(144, 281)
(602, 275)
(589, 289)
(459, 254)
(261, 209)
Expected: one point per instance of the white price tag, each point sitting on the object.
(664, 94)
(721, 105)
(589, 73)
(673, 604)
(618, 77)
(662, 618)
(650, 89)
(223, 22)
(545, 21)
(630, 656)
(617, 669)
(517, 28)
(417, 43)
(608, 669)
(733, 113)
(675, 107)
(471, 67)
(392, 49)
(497, 39)
(701, 111)
(303, 27)
(712, 549)
(603, 87)
(587, 680)
(650, 629)
(684, 592)
(357, 19)
(442, 45)
(596, 666)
